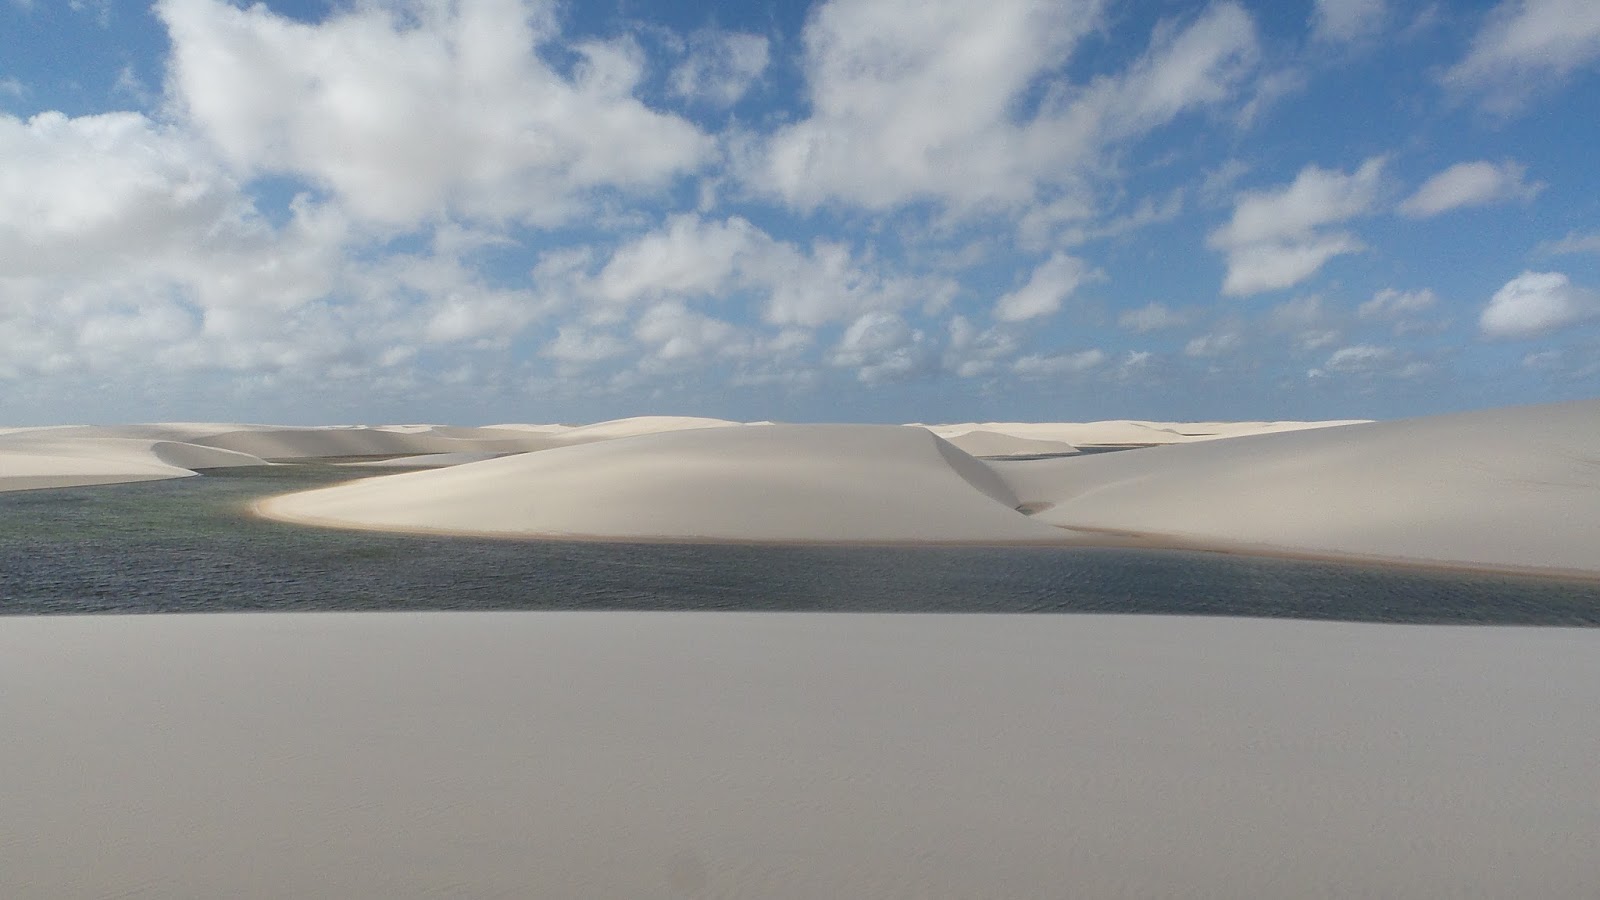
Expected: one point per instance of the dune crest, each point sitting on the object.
(778, 483)
(1515, 488)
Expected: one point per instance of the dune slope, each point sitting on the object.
(1506, 488)
(778, 482)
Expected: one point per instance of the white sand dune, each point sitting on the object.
(68, 456)
(1122, 432)
(628, 755)
(1506, 488)
(44, 459)
(992, 443)
(637, 425)
(778, 482)
(319, 443)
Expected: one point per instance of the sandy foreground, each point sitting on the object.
(636, 755)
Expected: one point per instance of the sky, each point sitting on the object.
(492, 211)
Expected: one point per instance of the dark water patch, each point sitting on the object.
(189, 545)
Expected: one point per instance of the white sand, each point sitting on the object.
(1121, 432)
(993, 443)
(1513, 488)
(87, 455)
(772, 755)
(637, 425)
(1507, 488)
(777, 482)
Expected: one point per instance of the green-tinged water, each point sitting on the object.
(189, 545)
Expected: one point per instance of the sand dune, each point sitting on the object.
(313, 443)
(68, 456)
(44, 459)
(637, 425)
(629, 755)
(779, 482)
(991, 443)
(1511, 488)
(1120, 432)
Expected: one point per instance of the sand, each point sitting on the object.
(1515, 488)
(1126, 432)
(630, 755)
(995, 444)
(866, 483)
(70, 456)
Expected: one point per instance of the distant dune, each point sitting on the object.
(776, 482)
(1509, 488)
(1515, 488)
(992, 443)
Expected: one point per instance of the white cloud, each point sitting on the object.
(883, 347)
(1525, 46)
(1358, 358)
(691, 257)
(1470, 184)
(1537, 303)
(1574, 242)
(419, 110)
(720, 66)
(1389, 304)
(914, 100)
(104, 192)
(676, 333)
(1408, 312)
(1037, 366)
(1154, 317)
(1217, 343)
(972, 352)
(1273, 241)
(1051, 283)
(577, 347)
(1347, 20)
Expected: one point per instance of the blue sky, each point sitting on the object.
(855, 210)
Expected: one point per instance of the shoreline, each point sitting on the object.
(1086, 537)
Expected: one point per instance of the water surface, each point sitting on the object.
(189, 545)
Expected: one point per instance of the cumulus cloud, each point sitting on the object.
(1470, 184)
(105, 191)
(883, 347)
(972, 352)
(1050, 284)
(691, 257)
(1537, 303)
(1347, 20)
(920, 101)
(719, 67)
(1574, 242)
(1273, 240)
(1216, 343)
(1040, 366)
(1153, 317)
(1527, 45)
(413, 111)
(1358, 358)
(1390, 304)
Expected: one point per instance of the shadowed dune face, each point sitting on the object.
(779, 482)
